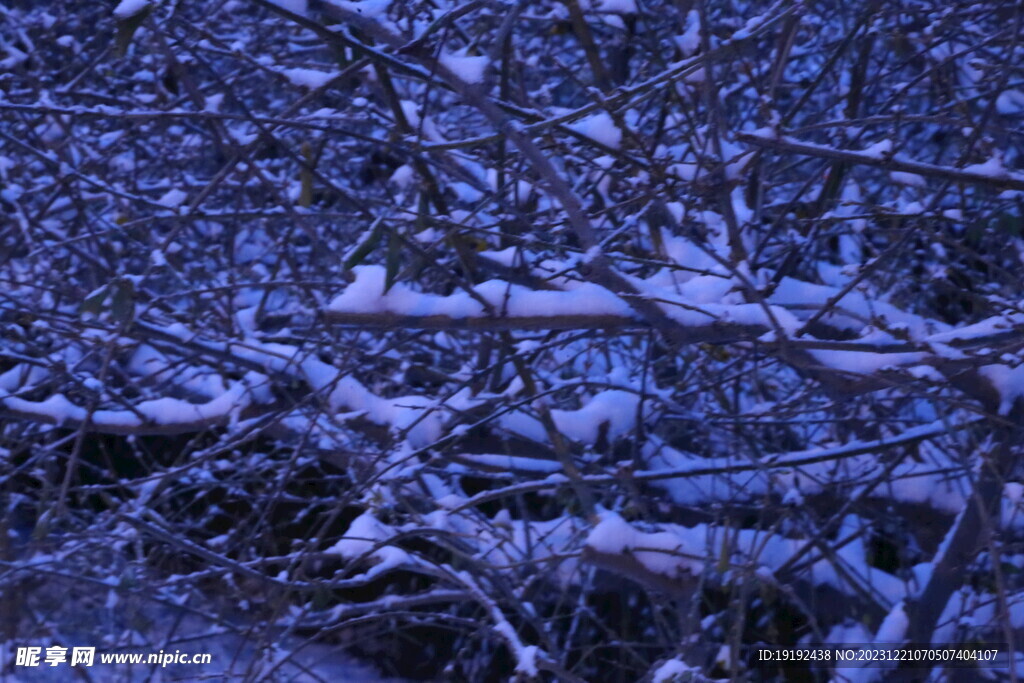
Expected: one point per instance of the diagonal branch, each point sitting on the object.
(970, 174)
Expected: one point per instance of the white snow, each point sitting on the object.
(992, 168)
(879, 150)
(366, 295)
(866, 362)
(511, 462)
(983, 328)
(893, 627)
(129, 8)
(661, 552)
(293, 6)
(1010, 103)
(403, 176)
(467, 68)
(678, 550)
(910, 179)
(673, 670)
(1008, 381)
(308, 78)
(854, 311)
(688, 42)
(618, 6)
(600, 128)
(890, 632)
(614, 408)
(412, 412)
(173, 198)
(160, 412)
(372, 9)
(506, 257)
(848, 632)
(411, 112)
(527, 661)
(363, 540)
(689, 479)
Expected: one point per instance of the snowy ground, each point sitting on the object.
(134, 626)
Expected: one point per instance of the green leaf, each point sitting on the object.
(122, 303)
(126, 28)
(94, 302)
(725, 553)
(43, 524)
(1008, 223)
(367, 243)
(393, 262)
(657, 241)
(119, 295)
(322, 598)
(306, 177)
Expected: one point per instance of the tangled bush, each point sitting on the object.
(595, 340)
